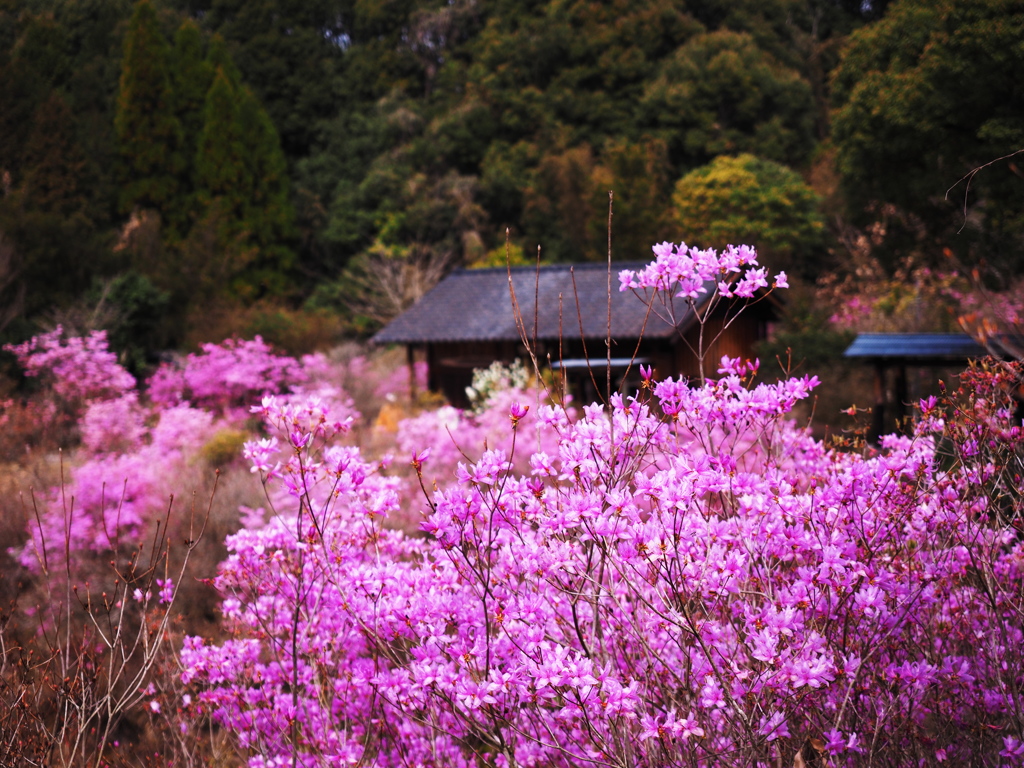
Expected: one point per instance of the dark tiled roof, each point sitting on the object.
(915, 347)
(475, 305)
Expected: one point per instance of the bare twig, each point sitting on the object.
(969, 177)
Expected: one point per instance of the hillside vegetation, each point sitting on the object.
(179, 170)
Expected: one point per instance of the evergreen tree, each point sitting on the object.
(59, 62)
(242, 184)
(191, 76)
(219, 57)
(287, 52)
(55, 247)
(220, 163)
(149, 132)
(33, 61)
(638, 175)
(268, 209)
(95, 31)
(720, 93)
(54, 161)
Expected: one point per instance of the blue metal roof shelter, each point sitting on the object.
(900, 351)
(916, 348)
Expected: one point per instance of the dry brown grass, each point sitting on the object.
(34, 658)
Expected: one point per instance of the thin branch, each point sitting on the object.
(970, 177)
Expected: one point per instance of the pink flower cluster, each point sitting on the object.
(320, 381)
(113, 426)
(639, 591)
(111, 496)
(360, 371)
(78, 369)
(133, 454)
(690, 272)
(678, 578)
(452, 435)
(225, 378)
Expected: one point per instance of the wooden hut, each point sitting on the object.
(470, 320)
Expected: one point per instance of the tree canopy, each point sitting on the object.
(925, 96)
(238, 153)
(748, 200)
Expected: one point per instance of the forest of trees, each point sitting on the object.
(177, 170)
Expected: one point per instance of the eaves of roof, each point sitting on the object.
(915, 347)
(557, 301)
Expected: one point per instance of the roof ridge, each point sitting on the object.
(580, 266)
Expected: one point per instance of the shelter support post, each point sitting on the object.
(900, 397)
(410, 362)
(878, 414)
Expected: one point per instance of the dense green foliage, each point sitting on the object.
(745, 199)
(58, 84)
(253, 155)
(200, 150)
(149, 135)
(926, 95)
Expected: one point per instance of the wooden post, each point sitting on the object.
(878, 417)
(410, 362)
(900, 395)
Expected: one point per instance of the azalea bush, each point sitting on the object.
(449, 436)
(225, 377)
(683, 578)
(78, 370)
(70, 373)
(678, 576)
(108, 549)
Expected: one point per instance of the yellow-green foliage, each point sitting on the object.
(224, 447)
(513, 256)
(746, 199)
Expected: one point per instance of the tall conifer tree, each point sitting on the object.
(220, 162)
(54, 160)
(191, 76)
(148, 130)
(56, 246)
(241, 180)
